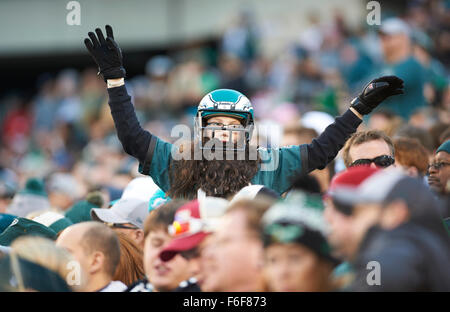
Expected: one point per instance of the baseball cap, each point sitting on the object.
(444, 147)
(34, 186)
(390, 185)
(350, 178)
(394, 26)
(22, 226)
(55, 221)
(253, 191)
(192, 223)
(141, 188)
(5, 220)
(385, 186)
(125, 210)
(298, 219)
(80, 211)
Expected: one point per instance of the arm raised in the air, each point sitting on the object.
(325, 148)
(108, 56)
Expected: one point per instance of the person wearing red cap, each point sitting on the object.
(343, 224)
(395, 220)
(192, 224)
(160, 275)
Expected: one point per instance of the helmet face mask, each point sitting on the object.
(227, 103)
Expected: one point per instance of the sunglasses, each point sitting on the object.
(438, 166)
(345, 209)
(382, 161)
(121, 226)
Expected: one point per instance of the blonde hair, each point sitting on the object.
(44, 252)
(361, 137)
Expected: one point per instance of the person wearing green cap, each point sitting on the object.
(81, 210)
(21, 227)
(297, 254)
(31, 198)
(439, 178)
(439, 170)
(55, 221)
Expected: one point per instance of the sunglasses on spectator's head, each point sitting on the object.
(382, 161)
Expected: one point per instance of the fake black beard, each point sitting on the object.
(217, 177)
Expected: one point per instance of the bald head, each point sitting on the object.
(86, 238)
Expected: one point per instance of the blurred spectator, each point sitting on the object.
(130, 268)
(97, 250)
(17, 274)
(294, 135)
(371, 147)
(17, 126)
(345, 229)
(436, 80)
(445, 136)
(8, 188)
(411, 156)
(425, 138)
(398, 225)
(233, 73)
(62, 190)
(125, 216)
(193, 222)
(439, 170)
(436, 131)
(32, 197)
(297, 255)
(161, 275)
(386, 121)
(224, 268)
(397, 52)
(241, 37)
(44, 252)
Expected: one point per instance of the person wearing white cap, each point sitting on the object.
(398, 60)
(127, 215)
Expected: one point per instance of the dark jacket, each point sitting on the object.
(411, 258)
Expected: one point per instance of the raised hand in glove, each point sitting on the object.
(376, 92)
(106, 53)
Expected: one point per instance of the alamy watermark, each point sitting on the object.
(374, 16)
(74, 16)
(374, 276)
(73, 277)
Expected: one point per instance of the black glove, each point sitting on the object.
(376, 92)
(106, 53)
